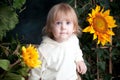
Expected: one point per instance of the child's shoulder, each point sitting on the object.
(74, 38)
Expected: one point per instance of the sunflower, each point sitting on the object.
(101, 24)
(30, 56)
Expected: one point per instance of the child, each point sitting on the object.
(60, 52)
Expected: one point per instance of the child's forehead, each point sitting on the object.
(63, 18)
(66, 17)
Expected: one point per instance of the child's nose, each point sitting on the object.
(63, 26)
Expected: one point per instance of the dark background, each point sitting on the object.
(31, 21)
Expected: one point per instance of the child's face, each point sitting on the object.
(62, 30)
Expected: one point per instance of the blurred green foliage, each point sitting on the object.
(10, 66)
(8, 15)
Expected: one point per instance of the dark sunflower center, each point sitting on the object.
(100, 24)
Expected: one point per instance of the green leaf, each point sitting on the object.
(8, 20)
(99, 52)
(115, 52)
(17, 4)
(108, 77)
(101, 65)
(4, 64)
(23, 71)
(13, 76)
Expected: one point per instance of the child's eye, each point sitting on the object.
(58, 23)
(68, 22)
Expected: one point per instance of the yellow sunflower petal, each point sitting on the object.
(87, 29)
(110, 32)
(23, 49)
(97, 9)
(102, 10)
(106, 37)
(89, 15)
(103, 42)
(106, 13)
(93, 12)
(89, 20)
(98, 42)
(110, 21)
(94, 36)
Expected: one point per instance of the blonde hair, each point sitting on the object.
(57, 12)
